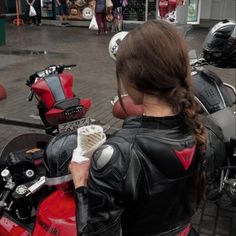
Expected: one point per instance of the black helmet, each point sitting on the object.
(58, 155)
(219, 48)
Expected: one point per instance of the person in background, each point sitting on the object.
(117, 11)
(63, 11)
(37, 6)
(100, 12)
(147, 178)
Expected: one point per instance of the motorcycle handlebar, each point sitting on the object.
(198, 62)
(61, 68)
(69, 66)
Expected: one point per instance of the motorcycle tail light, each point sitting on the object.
(74, 110)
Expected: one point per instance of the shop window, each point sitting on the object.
(135, 10)
(10, 6)
(152, 12)
(47, 8)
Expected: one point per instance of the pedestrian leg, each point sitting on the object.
(99, 21)
(104, 22)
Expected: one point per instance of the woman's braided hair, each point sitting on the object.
(154, 59)
(185, 104)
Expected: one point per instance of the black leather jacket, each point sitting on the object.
(142, 181)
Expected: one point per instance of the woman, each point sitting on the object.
(100, 11)
(146, 179)
(37, 6)
(63, 11)
(117, 23)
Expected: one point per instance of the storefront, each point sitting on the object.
(8, 7)
(48, 9)
(139, 11)
(81, 9)
(78, 9)
(133, 10)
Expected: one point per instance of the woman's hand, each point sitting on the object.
(79, 173)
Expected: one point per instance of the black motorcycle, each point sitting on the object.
(217, 102)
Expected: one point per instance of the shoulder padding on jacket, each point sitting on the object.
(102, 156)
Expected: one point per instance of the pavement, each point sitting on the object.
(31, 48)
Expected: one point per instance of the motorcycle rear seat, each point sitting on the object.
(65, 104)
(225, 119)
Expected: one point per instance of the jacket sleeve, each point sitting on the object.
(100, 204)
(81, 209)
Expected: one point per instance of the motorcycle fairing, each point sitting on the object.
(66, 80)
(44, 93)
(54, 88)
(9, 228)
(56, 215)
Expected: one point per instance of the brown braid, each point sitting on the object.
(188, 107)
(184, 103)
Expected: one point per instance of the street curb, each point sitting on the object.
(21, 123)
(18, 122)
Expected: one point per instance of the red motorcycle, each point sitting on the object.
(59, 109)
(32, 200)
(36, 189)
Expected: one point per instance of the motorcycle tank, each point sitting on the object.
(54, 88)
(210, 92)
(56, 215)
(59, 153)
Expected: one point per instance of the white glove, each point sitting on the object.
(89, 138)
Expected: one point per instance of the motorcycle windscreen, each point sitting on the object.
(25, 141)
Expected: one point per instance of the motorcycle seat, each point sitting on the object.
(225, 119)
(65, 104)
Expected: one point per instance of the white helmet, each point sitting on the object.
(115, 42)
